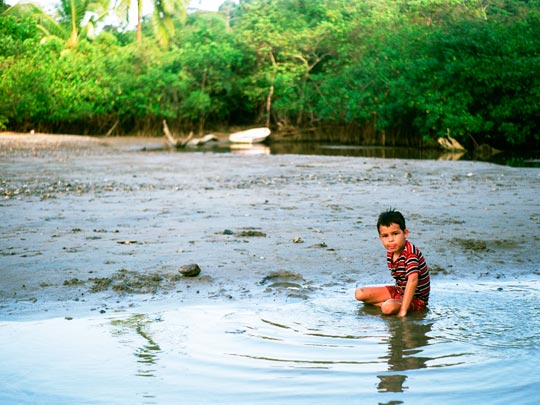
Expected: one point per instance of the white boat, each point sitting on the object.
(254, 135)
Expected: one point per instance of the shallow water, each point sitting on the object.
(475, 344)
(518, 158)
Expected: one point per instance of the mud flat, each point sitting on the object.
(132, 274)
(97, 225)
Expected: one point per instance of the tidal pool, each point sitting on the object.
(477, 343)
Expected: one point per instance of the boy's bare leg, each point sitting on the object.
(391, 307)
(373, 295)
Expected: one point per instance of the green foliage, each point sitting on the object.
(17, 36)
(73, 19)
(481, 85)
(210, 66)
(412, 70)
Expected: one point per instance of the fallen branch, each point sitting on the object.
(185, 142)
(110, 131)
(450, 144)
(202, 141)
(172, 140)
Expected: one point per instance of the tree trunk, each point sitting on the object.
(269, 105)
(139, 21)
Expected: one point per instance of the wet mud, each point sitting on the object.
(104, 224)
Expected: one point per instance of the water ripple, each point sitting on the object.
(314, 351)
(490, 316)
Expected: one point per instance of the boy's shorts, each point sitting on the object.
(416, 304)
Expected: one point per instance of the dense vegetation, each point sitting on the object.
(394, 72)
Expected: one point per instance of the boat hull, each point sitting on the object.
(254, 135)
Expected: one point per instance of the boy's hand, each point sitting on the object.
(412, 282)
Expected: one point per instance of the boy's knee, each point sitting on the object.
(389, 307)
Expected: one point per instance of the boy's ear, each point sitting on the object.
(406, 232)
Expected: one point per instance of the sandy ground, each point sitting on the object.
(97, 225)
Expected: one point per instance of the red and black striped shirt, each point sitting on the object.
(410, 261)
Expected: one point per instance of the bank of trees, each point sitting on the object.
(399, 72)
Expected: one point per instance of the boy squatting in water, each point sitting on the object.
(407, 266)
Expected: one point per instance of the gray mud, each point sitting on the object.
(97, 225)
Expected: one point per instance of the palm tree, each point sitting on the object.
(73, 13)
(163, 17)
(123, 7)
(165, 11)
(74, 19)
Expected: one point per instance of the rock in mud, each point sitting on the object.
(190, 270)
(282, 276)
(251, 233)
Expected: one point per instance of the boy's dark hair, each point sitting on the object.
(390, 217)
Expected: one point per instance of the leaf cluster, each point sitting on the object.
(397, 71)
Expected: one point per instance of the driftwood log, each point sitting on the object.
(450, 143)
(203, 141)
(171, 140)
(110, 131)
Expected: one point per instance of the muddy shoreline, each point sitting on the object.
(94, 225)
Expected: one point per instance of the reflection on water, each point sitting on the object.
(358, 151)
(474, 344)
(250, 149)
(511, 158)
(405, 341)
(148, 353)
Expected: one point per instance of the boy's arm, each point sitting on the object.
(412, 282)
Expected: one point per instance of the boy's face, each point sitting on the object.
(393, 237)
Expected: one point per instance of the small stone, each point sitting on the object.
(127, 242)
(228, 232)
(298, 239)
(321, 245)
(190, 270)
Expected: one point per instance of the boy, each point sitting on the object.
(407, 266)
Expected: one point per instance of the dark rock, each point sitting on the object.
(190, 270)
(250, 233)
